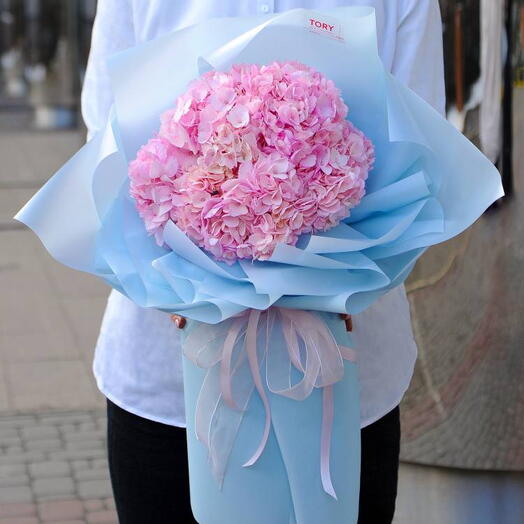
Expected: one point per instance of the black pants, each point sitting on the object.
(148, 466)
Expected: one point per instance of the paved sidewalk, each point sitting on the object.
(53, 465)
(49, 314)
(53, 469)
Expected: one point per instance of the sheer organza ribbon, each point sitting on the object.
(299, 352)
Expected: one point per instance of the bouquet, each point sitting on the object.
(270, 177)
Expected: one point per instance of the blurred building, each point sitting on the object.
(43, 50)
(464, 411)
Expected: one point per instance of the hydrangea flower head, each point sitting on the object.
(251, 158)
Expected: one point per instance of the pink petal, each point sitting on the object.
(238, 116)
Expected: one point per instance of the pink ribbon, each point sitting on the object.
(233, 353)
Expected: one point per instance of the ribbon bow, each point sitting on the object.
(292, 343)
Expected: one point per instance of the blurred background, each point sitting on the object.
(463, 416)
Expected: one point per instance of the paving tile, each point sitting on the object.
(17, 509)
(8, 433)
(53, 486)
(48, 385)
(59, 510)
(44, 444)
(92, 474)
(95, 505)
(22, 457)
(66, 418)
(80, 465)
(41, 431)
(51, 497)
(13, 449)
(10, 441)
(78, 454)
(88, 443)
(80, 434)
(49, 468)
(66, 484)
(19, 520)
(50, 321)
(14, 480)
(9, 470)
(102, 517)
(68, 427)
(17, 421)
(89, 489)
(15, 494)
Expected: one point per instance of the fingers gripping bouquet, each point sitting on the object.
(230, 186)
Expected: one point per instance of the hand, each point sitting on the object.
(179, 321)
(349, 321)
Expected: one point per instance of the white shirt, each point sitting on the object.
(138, 357)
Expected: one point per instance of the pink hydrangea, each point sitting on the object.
(250, 158)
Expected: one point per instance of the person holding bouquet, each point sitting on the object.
(138, 358)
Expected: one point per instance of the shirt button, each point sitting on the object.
(264, 8)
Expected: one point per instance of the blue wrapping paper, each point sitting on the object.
(429, 183)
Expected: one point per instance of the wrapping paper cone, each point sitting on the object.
(284, 486)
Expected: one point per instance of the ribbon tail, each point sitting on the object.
(251, 349)
(226, 380)
(216, 423)
(207, 405)
(325, 442)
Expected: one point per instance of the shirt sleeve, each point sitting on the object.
(419, 59)
(112, 32)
